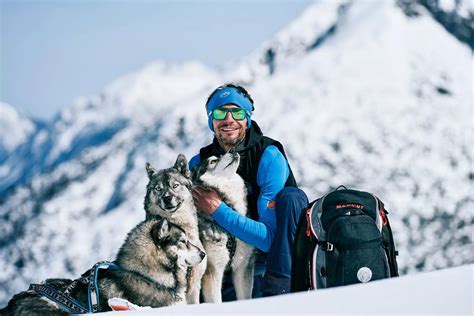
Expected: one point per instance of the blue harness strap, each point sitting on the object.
(93, 288)
(64, 300)
(56, 296)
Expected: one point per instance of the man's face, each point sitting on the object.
(229, 132)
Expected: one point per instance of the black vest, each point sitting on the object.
(250, 151)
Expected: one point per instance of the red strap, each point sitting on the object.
(383, 216)
(308, 222)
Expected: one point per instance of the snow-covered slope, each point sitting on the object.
(449, 292)
(17, 132)
(14, 128)
(360, 93)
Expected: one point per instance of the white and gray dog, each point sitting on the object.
(169, 196)
(152, 266)
(221, 175)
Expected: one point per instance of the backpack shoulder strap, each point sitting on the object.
(388, 242)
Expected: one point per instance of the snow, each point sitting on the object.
(14, 127)
(137, 98)
(462, 7)
(448, 291)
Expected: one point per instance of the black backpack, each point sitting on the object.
(342, 238)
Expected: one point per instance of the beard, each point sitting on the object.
(231, 141)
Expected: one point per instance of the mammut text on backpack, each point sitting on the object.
(343, 238)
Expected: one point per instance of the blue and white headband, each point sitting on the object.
(228, 95)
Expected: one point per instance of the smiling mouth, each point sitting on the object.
(173, 209)
(229, 129)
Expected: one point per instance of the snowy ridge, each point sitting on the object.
(138, 99)
(448, 291)
(294, 41)
(14, 127)
(382, 104)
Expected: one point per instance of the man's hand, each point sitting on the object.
(206, 200)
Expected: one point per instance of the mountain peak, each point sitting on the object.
(14, 128)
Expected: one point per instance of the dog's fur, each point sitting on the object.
(154, 261)
(221, 175)
(169, 196)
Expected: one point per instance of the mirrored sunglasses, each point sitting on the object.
(220, 114)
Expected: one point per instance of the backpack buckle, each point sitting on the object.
(329, 247)
(326, 246)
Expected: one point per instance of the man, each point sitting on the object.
(274, 200)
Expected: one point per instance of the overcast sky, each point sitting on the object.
(54, 51)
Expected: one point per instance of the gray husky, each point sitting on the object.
(221, 175)
(169, 196)
(152, 268)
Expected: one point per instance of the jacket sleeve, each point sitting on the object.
(196, 160)
(273, 171)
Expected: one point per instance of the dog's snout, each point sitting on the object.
(167, 199)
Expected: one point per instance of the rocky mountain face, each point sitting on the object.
(375, 95)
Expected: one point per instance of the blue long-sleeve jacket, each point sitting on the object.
(272, 174)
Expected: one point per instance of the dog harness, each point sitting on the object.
(64, 300)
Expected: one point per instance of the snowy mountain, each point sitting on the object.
(15, 129)
(361, 93)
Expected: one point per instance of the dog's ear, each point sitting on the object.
(150, 170)
(181, 165)
(160, 230)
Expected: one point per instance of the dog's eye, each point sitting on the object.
(175, 185)
(212, 162)
(157, 189)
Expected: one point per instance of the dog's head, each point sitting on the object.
(168, 189)
(214, 169)
(172, 240)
